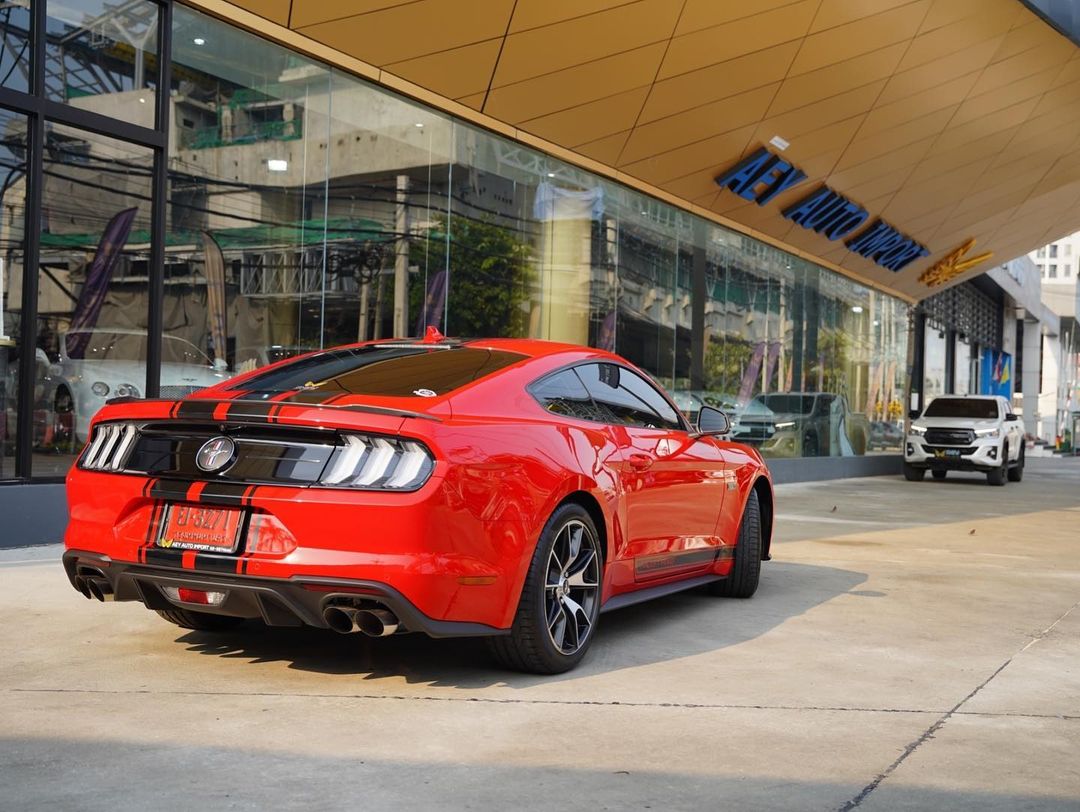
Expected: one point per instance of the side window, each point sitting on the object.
(626, 398)
(563, 393)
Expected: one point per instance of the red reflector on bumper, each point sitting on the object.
(193, 596)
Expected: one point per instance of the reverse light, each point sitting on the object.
(994, 432)
(379, 463)
(183, 594)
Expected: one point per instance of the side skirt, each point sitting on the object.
(642, 595)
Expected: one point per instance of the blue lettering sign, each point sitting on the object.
(762, 176)
(761, 167)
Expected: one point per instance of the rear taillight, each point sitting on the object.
(378, 463)
(109, 447)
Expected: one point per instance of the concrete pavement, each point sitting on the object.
(912, 646)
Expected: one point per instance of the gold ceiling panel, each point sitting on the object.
(274, 10)
(569, 88)
(948, 118)
(414, 29)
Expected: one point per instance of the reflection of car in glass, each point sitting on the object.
(248, 358)
(803, 424)
(690, 402)
(113, 364)
(504, 488)
(884, 434)
(966, 433)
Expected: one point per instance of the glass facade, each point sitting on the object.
(270, 204)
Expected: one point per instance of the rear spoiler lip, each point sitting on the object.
(353, 407)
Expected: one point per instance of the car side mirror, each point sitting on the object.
(1011, 418)
(712, 421)
(913, 414)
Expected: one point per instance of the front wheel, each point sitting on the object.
(999, 475)
(1016, 473)
(913, 474)
(560, 602)
(742, 581)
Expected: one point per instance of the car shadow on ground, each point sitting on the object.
(683, 625)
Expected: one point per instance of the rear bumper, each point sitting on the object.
(295, 601)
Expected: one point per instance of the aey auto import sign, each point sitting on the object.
(764, 175)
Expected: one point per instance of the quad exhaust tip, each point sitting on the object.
(94, 588)
(372, 622)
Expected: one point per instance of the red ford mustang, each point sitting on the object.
(507, 488)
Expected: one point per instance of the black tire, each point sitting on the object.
(999, 475)
(1016, 473)
(742, 582)
(913, 474)
(537, 643)
(939, 474)
(200, 621)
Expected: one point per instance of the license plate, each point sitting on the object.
(195, 527)
(947, 452)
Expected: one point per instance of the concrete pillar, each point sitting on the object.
(1051, 401)
(1032, 350)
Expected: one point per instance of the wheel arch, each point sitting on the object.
(764, 493)
(589, 502)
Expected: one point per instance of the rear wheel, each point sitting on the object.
(939, 474)
(560, 602)
(200, 621)
(913, 474)
(742, 582)
(1016, 473)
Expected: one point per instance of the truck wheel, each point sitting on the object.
(939, 474)
(1000, 474)
(913, 474)
(1016, 473)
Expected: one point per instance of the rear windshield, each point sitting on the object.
(962, 407)
(386, 370)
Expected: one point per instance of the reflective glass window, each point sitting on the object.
(102, 56)
(12, 220)
(15, 46)
(93, 289)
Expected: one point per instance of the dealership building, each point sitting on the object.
(784, 208)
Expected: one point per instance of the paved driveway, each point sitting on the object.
(912, 646)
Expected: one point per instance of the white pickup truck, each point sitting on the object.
(965, 433)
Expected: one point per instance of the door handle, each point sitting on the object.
(640, 462)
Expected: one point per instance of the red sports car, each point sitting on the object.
(507, 488)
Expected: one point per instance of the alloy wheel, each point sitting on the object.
(572, 587)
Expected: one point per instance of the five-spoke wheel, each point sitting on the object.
(572, 586)
(560, 602)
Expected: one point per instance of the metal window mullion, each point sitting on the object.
(159, 207)
(24, 408)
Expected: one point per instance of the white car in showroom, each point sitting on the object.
(965, 433)
(113, 364)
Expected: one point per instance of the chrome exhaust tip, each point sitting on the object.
(342, 619)
(377, 622)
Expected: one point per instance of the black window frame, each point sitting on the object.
(39, 112)
(684, 424)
